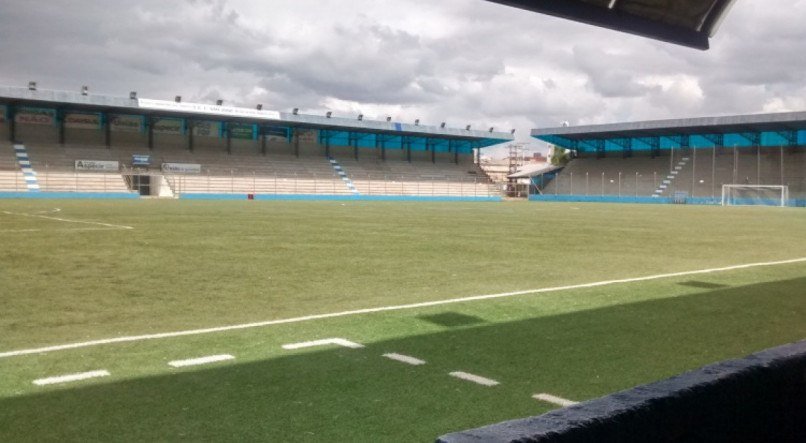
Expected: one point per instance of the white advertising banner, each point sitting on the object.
(198, 108)
(126, 123)
(181, 168)
(97, 165)
(82, 121)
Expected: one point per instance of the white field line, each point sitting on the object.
(200, 361)
(324, 342)
(474, 378)
(58, 230)
(136, 338)
(71, 377)
(548, 398)
(67, 220)
(405, 359)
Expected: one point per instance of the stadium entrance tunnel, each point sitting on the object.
(341, 394)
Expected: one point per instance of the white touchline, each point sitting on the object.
(474, 378)
(405, 359)
(200, 360)
(554, 400)
(71, 377)
(66, 220)
(324, 342)
(162, 335)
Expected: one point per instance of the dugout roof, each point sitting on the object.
(764, 130)
(683, 22)
(17, 97)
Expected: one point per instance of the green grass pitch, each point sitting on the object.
(190, 265)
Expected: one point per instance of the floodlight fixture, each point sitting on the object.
(492, 128)
(389, 118)
(329, 114)
(85, 90)
(442, 125)
(295, 111)
(133, 95)
(260, 107)
(512, 132)
(417, 122)
(360, 117)
(219, 102)
(467, 128)
(32, 86)
(178, 99)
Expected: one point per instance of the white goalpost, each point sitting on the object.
(755, 195)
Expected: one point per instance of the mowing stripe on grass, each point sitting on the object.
(71, 377)
(405, 359)
(474, 378)
(327, 341)
(173, 334)
(200, 360)
(548, 398)
(66, 220)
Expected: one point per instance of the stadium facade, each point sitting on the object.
(683, 161)
(217, 150)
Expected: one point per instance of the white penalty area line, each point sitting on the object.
(71, 378)
(324, 342)
(200, 361)
(137, 338)
(548, 398)
(484, 381)
(405, 359)
(67, 220)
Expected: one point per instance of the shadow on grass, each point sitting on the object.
(356, 395)
(452, 319)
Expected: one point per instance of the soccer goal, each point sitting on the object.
(750, 195)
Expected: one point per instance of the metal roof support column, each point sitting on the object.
(753, 137)
(790, 136)
(354, 143)
(12, 126)
(380, 142)
(626, 146)
(228, 134)
(262, 132)
(452, 147)
(325, 135)
(295, 134)
(600, 148)
(407, 144)
(60, 124)
(429, 146)
(107, 127)
(191, 128)
(150, 122)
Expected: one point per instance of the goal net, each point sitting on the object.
(749, 195)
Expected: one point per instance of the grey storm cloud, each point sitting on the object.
(461, 61)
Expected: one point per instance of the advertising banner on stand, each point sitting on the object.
(97, 165)
(82, 121)
(181, 168)
(310, 136)
(35, 116)
(243, 132)
(175, 126)
(127, 123)
(207, 129)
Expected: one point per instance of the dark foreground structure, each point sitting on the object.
(683, 22)
(760, 398)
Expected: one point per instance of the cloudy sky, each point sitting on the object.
(463, 61)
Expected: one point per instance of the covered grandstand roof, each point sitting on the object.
(76, 101)
(779, 129)
(683, 22)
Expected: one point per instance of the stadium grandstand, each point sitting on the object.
(77, 144)
(747, 159)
